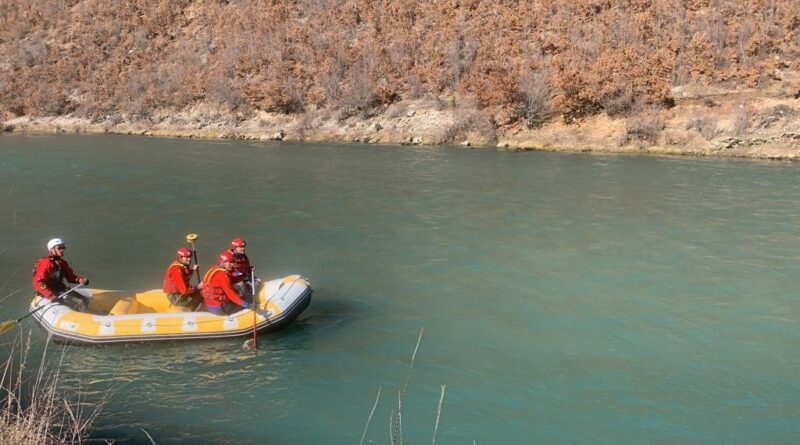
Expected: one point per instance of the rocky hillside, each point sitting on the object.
(700, 76)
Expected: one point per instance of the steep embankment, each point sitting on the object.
(665, 76)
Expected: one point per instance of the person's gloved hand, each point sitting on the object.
(236, 274)
(245, 304)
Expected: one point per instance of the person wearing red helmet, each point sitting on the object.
(241, 264)
(176, 281)
(49, 274)
(218, 293)
(242, 272)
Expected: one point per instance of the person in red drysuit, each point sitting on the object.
(49, 274)
(219, 295)
(241, 264)
(242, 272)
(176, 281)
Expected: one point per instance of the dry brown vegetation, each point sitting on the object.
(33, 407)
(521, 61)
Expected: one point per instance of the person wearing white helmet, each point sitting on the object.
(49, 274)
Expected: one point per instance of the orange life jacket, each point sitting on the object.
(213, 290)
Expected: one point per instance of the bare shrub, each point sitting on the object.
(32, 52)
(469, 122)
(46, 101)
(706, 126)
(493, 84)
(149, 90)
(621, 102)
(644, 130)
(675, 137)
(385, 92)
(284, 95)
(222, 91)
(615, 81)
(459, 56)
(742, 119)
(416, 89)
(167, 86)
(332, 76)
(441, 104)
(534, 97)
(276, 88)
(776, 113)
(305, 123)
(16, 107)
(359, 95)
(397, 110)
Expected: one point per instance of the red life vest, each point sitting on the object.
(241, 264)
(176, 280)
(53, 272)
(48, 276)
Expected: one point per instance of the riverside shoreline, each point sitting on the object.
(724, 124)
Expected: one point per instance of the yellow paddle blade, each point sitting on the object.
(7, 325)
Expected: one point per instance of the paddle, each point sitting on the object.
(8, 324)
(255, 301)
(191, 238)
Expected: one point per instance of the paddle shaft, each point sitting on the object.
(51, 303)
(194, 255)
(255, 301)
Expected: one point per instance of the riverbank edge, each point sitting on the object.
(758, 127)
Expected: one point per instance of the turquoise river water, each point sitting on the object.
(565, 298)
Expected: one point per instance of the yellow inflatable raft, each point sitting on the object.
(118, 316)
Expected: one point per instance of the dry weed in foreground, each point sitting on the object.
(33, 408)
(396, 417)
